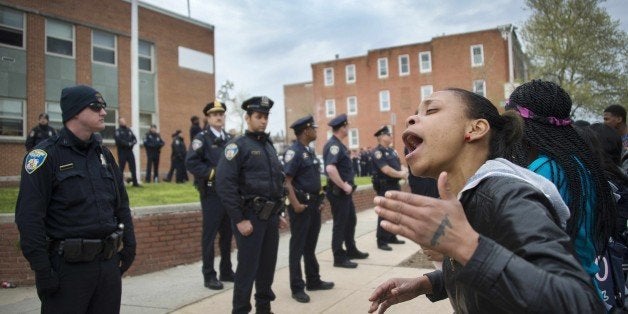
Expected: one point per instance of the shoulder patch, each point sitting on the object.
(378, 154)
(289, 155)
(34, 160)
(334, 149)
(196, 144)
(231, 151)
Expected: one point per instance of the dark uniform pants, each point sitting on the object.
(304, 229)
(382, 235)
(343, 231)
(177, 165)
(257, 258)
(152, 163)
(124, 156)
(89, 287)
(215, 220)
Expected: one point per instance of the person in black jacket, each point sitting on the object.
(499, 226)
(152, 144)
(125, 140)
(250, 186)
(73, 215)
(39, 133)
(195, 128)
(177, 159)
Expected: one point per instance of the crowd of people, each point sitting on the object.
(523, 211)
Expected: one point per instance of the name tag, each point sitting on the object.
(256, 153)
(66, 167)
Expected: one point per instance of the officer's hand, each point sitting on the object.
(245, 227)
(46, 281)
(347, 188)
(126, 259)
(299, 208)
(283, 222)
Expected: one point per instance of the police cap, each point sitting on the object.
(383, 131)
(214, 106)
(305, 122)
(75, 98)
(338, 121)
(258, 103)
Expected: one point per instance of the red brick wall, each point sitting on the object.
(163, 241)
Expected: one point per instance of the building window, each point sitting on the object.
(329, 76)
(145, 56)
(146, 120)
(12, 117)
(59, 38)
(330, 133)
(350, 73)
(382, 67)
(425, 62)
(11, 27)
(55, 120)
(354, 138)
(330, 108)
(352, 105)
(477, 55)
(384, 100)
(103, 47)
(404, 65)
(479, 87)
(426, 90)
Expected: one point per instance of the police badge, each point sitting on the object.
(231, 151)
(34, 160)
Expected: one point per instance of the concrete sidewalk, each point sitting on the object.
(180, 289)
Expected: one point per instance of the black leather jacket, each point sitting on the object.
(524, 261)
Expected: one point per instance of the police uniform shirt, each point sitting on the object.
(204, 153)
(67, 190)
(38, 134)
(302, 165)
(153, 141)
(249, 168)
(385, 156)
(125, 139)
(336, 153)
(178, 148)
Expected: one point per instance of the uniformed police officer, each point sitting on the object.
(386, 175)
(125, 140)
(201, 160)
(340, 186)
(177, 159)
(251, 189)
(73, 213)
(303, 184)
(39, 133)
(153, 144)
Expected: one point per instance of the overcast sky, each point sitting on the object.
(261, 45)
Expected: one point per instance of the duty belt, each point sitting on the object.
(86, 250)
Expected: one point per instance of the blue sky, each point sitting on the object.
(263, 45)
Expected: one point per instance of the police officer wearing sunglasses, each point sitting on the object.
(73, 215)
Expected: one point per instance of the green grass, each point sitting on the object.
(150, 194)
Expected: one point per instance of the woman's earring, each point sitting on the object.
(467, 137)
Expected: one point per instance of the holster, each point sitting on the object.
(78, 250)
(337, 191)
(264, 208)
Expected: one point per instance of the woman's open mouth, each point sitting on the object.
(411, 141)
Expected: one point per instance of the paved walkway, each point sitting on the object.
(180, 289)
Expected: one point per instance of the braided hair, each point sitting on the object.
(546, 108)
(506, 128)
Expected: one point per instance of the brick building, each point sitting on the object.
(386, 85)
(46, 45)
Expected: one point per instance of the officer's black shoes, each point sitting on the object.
(213, 284)
(357, 254)
(263, 310)
(396, 241)
(230, 277)
(384, 247)
(346, 264)
(322, 285)
(301, 297)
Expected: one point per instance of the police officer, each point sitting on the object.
(386, 175)
(39, 133)
(340, 186)
(177, 159)
(251, 189)
(303, 184)
(73, 213)
(195, 128)
(202, 160)
(125, 140)
(152, 145)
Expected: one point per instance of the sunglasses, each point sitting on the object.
(97, 106)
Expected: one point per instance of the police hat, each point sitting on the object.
(214, 106)
(338, 121)
(305, 122)
(258, 103)
(177, 132)
(382, 131)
